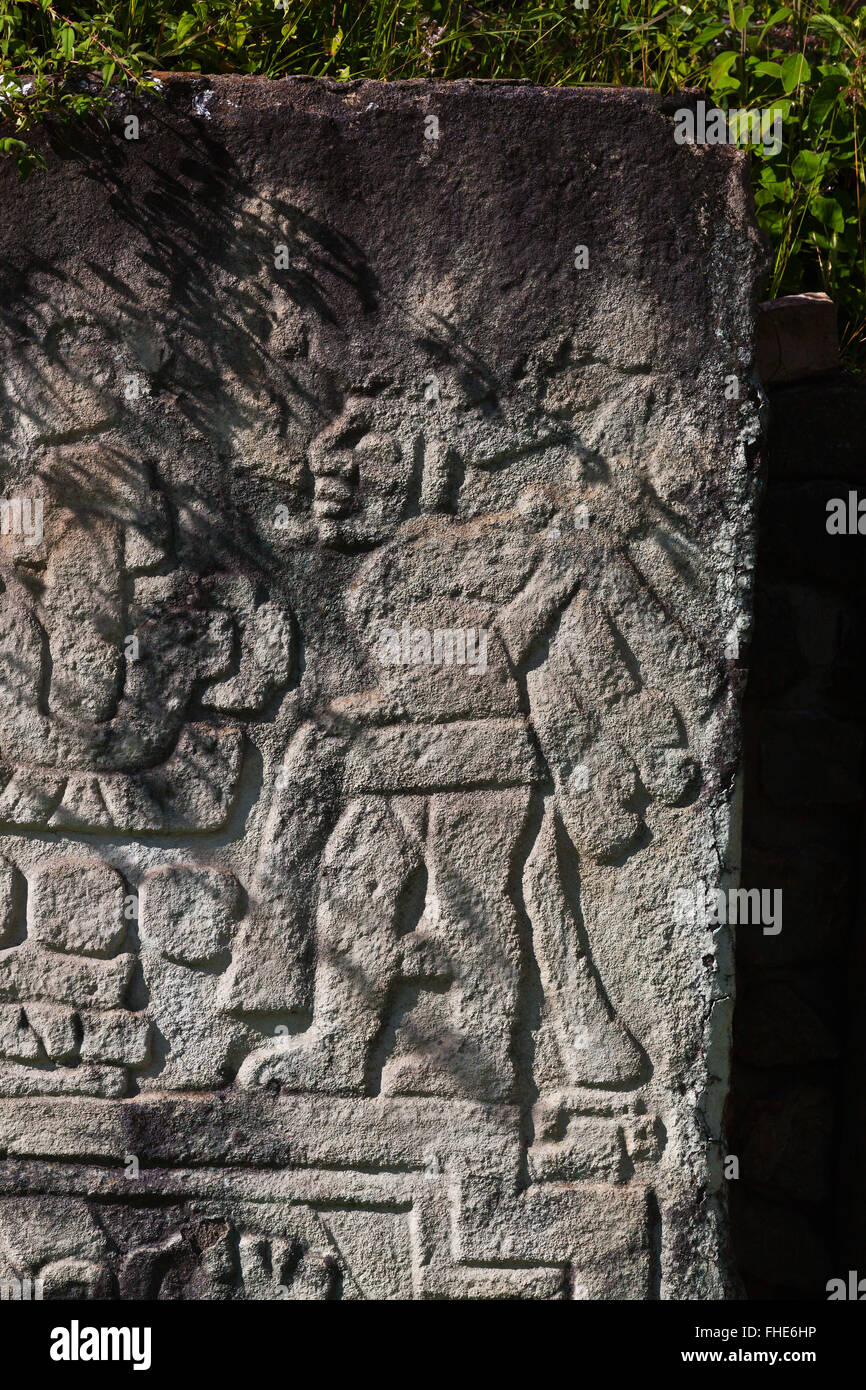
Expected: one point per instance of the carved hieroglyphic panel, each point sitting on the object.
(372, 576)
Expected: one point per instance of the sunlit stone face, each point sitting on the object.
(333, 968)
(361, 477)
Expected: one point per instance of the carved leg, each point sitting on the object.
(471, 925)
(594, 1046)
(366, 866)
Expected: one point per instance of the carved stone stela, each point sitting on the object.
(373, 565)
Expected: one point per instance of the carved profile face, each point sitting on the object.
(362, 475)
(117, 661)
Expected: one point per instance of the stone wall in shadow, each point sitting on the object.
(797, 1115)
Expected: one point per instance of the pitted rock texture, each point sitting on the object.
(374, 568)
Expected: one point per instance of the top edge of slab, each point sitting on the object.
(272, 91)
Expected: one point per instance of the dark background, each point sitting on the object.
(797, 1110)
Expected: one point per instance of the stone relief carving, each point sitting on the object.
(353, 738)
(108, 646)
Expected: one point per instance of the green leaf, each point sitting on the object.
(67, 43)
(795, 70)
(827, 243)
(808, 166)
(825, 99)
(835, 70)
(829, 213)
(720, 67)
(777, 17)
(768, 69)
(185, 25)
(741, 16)
(835, 26)
(710, 32)
(778, 189)
(773, 219)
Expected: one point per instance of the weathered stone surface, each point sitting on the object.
(78, 907)
(188, 912)
(797, 336)
(369, 693)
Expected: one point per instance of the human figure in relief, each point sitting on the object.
(455, 783)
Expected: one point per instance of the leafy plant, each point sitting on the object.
(805, 61)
